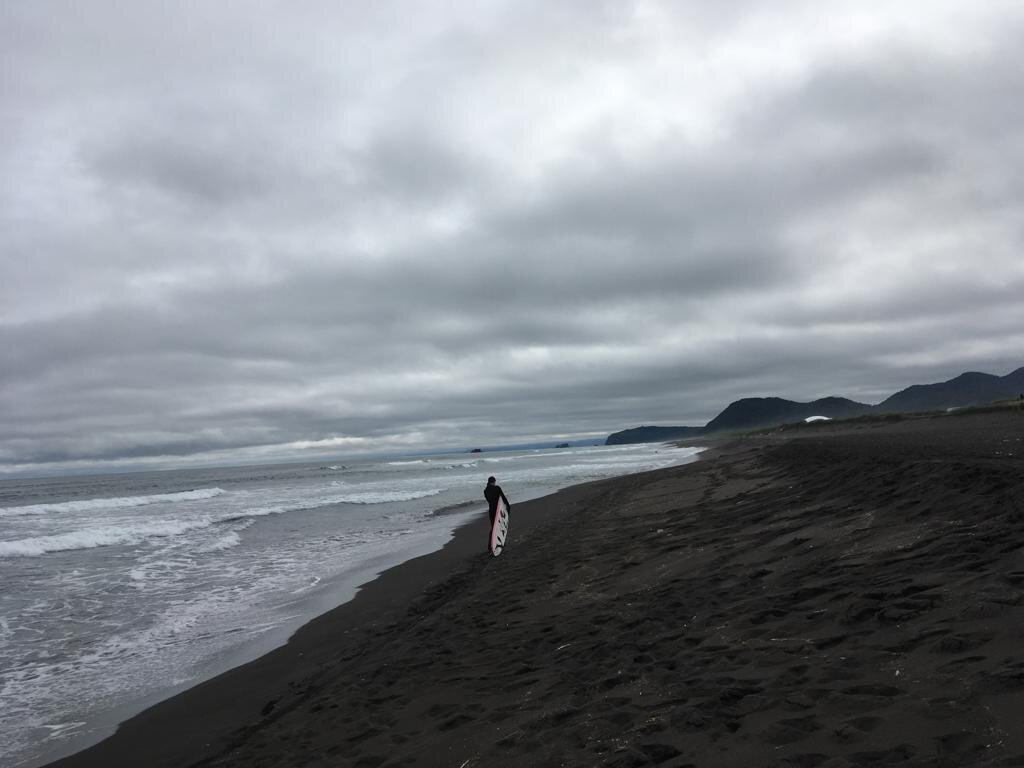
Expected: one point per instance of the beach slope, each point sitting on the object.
(836, 596)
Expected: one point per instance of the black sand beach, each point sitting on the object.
(832, 596)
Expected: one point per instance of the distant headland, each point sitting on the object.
(967, 389)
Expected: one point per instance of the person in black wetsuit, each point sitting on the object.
(492, 493)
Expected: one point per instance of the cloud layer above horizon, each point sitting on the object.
(255, 231)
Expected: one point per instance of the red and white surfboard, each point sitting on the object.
(499, 531)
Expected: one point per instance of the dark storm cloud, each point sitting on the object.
(206, 174)
(210, 174)
(243, 236)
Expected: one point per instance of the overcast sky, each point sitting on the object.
(238, 232)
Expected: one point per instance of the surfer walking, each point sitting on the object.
(494, 494)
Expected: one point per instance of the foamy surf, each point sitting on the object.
(384, 497)
(119, 502)
(161, 585)
(90, 538)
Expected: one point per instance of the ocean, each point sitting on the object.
(117, 591)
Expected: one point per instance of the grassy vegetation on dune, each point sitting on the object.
(865, 420)
(1009, 404)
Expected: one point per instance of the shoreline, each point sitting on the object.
(842, 597)
(346, 587)
(302, 652)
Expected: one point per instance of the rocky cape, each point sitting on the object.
(967, 389)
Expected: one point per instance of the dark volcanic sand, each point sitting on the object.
(830, 597)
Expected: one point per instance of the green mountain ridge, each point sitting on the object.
(967, 389)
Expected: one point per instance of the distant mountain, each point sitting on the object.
(653, 435)
(751, 412)
(748, 413)
(967, 389)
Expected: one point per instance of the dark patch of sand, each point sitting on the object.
(841, 597)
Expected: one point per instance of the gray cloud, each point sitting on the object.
(233, 236)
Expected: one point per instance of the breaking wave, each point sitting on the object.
(119, 502)
(132, 533)
(100, 536)
(383, 497)
(450, 509)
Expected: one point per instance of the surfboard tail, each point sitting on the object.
(499, 529)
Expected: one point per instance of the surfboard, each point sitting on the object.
(499, 531)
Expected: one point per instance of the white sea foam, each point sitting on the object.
(127, 533)
(120, 502)
(99, 536)
(383, 497)
(195, 588)
(133, 532)
(499, 459)
(58, 731)
(227, 541)
(354, 496)
(407, 463)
